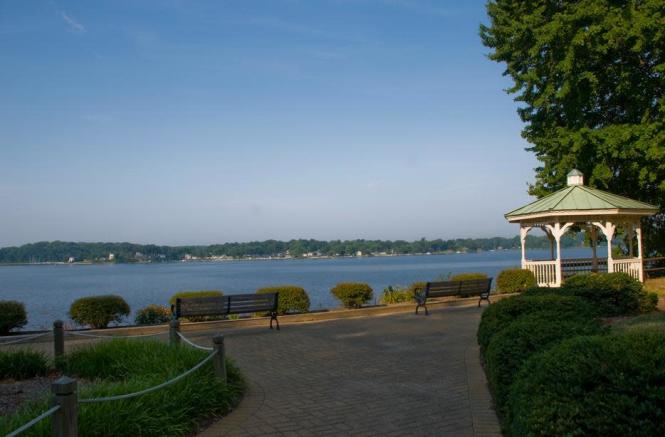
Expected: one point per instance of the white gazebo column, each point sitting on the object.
(608, 229)
(593, 234)
(557, 231)
(524, 230)
(638, 233)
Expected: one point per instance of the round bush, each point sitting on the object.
(515, 281)
(153, 315)
(352, 294)
(12, 316)
(613, 293)
(529, 334)
(98, 311)
(22, 364)
(599, 385)
(291, 299)
(500, 314)
(468, 276)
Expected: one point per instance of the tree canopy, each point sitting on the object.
(590, 79)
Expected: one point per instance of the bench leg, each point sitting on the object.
(484, 298)
(273, 316)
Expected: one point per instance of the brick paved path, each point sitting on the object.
(392, 376)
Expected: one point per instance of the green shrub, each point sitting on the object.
(12, 316)
(98, 311)
(519, 340)
(396, 294)
(153, 315)
(613, 294)
(292, 299)
(599, 385)
(352, 294)
(22, 364)
(468, 276)
(123, 366)
(515, 281)
(500, 314)
(201, 293)
(649, 302)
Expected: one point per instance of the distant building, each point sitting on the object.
(111, 256)
(71, 259)
(359, 253)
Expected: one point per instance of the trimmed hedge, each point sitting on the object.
(12, 316)
(292, 299)
(153, 315)
(599, 385)
(614, 294)
(98, 311)
(468, 276)
(522, 338)
(353, 294)
(392, 295)
(22, 364)
(515, 281)
(499, 315)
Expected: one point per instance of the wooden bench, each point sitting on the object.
(225, 305)
(471, 287)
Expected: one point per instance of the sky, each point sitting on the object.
(198, 122)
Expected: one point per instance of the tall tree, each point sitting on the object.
(590, 79)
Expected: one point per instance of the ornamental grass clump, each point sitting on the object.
(22, 364)
(396, 294)
(153, 315)
(292, 299)
(515, 281)
(124, 366)
(99, 311)
(12, 316)
(609, 385)
(352, 294)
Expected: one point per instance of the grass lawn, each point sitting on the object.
(656, 285)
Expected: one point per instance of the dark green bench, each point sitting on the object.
(225, 305)
(471, 287)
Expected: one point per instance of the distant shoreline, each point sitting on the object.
(213, 261)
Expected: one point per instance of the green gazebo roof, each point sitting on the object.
(576, 198)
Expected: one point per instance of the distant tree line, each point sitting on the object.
(60, 251)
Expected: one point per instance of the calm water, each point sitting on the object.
(47, 291)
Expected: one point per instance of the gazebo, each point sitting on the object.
(587, 209)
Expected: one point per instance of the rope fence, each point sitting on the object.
(34, 421)
(192, 344)
(151, 389)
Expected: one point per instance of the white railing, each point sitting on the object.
(631, 266)
(544, 271)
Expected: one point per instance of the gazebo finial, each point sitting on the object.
(575, 177)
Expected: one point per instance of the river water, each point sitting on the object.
(48, 290)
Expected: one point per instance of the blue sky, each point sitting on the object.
(187, 122)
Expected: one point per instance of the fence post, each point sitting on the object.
(220, 363)
(58, 338)
(65, 420)
(174, 328)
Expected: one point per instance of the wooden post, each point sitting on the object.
(58, 338)
(174, 328)
(65, 420)
(219, 359)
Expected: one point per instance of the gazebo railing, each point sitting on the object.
(544, 271)
(575, 266)
(654, 267)
(628, 265)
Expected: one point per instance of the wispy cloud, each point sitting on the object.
(72, 24)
